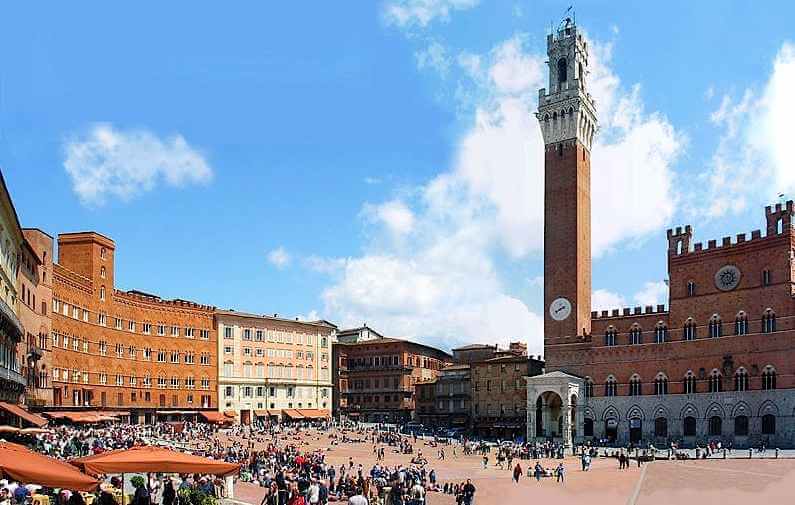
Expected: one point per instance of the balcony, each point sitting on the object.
(12, 376)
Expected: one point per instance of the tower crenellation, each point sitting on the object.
(779, 217)
(566, 110)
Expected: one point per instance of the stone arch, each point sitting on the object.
(768, 407)
(714, 409)
(661, 411)
(588, 412)
(689, 410)
(611, 413)
(741, 409)
(635, 412)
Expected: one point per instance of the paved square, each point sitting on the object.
(722, 482)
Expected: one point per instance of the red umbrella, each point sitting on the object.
(28, 467)
(152, 459)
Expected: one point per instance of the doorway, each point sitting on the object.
(635, 430)
(611, 430)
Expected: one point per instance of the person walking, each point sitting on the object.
(517, 473)
(538, 471)
(469, 493)
(560, 472)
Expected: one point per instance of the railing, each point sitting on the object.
(13, 376)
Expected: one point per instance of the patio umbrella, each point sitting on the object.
(23, 465)
(152, 459)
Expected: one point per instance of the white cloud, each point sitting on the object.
(434, 56)
(537, 281)
(752, 162)
(602, 299)
(652, 293)
(395, 215)
(311, 316)
(107, 162)
(406, 13)
(279, 257)
(442, 283)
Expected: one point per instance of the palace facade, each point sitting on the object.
(716, 364)
(128, 351)
(271, 368)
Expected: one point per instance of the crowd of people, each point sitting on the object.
(291, 466)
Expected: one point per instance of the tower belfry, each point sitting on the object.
(567, 117)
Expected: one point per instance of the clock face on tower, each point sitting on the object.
(560, 309)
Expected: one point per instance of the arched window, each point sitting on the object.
(690, 383)
(691, 288)
(563, 69)
(689, 426)
(766, 279)
(689, 330)
(103, 253)
(741, 426)
(635, 386)
(741, 324)
(635, 335)
(660, 333)
(102, 272)
(715, 382)
(715, 327)
(768, 321)
(661, 384)
(769, 378)
(588, 427)
(610, 336)
(715, 426)
(661, 427)
(768, 424)
(102, 293)
(588, 387)
(741, 379)
(611, 386)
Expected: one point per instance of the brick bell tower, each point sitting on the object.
(567, 117)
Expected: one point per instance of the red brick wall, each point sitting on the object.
(82, 252)
(589, 357)
(567, 238)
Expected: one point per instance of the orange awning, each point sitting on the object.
(214, 416)
(314, 413)
(229, 413)
(293, 414)
(261, 413)
(152, 459)
(84, 417)
(23, 465)
(23, 414)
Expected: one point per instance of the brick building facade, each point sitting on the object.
(499, 394)
(380, 376)
(35, 300)
(273, 368)
(130, 352)
(717, 364)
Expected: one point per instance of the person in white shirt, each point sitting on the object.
(314, 493)
(357, 499)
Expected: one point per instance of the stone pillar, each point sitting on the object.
(531, 423)
(565, 411)
(579, 418)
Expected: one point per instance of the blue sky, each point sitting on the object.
(378, 161)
